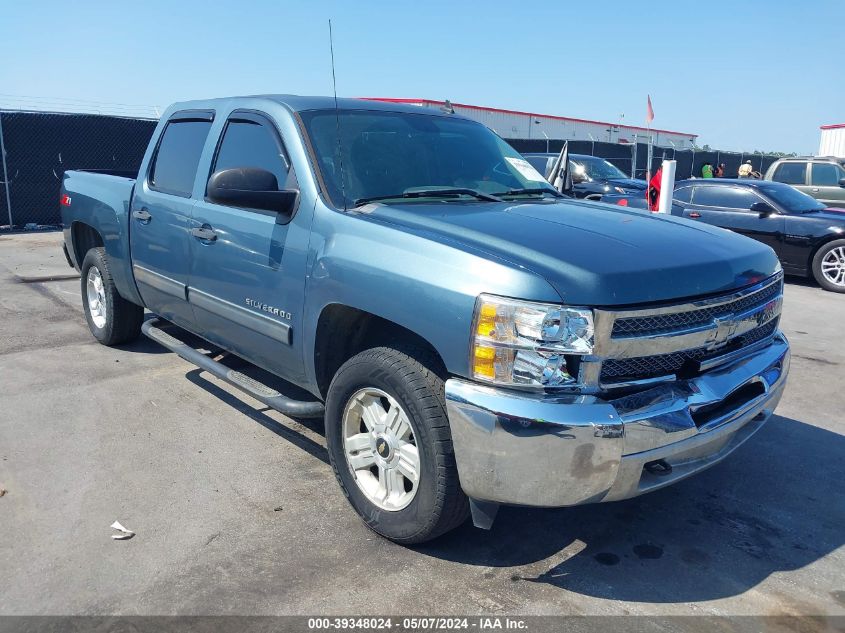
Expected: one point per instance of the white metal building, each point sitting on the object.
(833, 140)
(528, 125)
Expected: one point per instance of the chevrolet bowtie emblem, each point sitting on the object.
(725, 328)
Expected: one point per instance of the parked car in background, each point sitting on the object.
(822, 177)
(806, 234)
(592, 177)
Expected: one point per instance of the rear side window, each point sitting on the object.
(791, 173)
(826, 175)
(175, 164)
(250, 144)
(725, 197)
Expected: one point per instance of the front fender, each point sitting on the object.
(428, 287)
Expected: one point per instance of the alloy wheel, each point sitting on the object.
(833, 266)
(380, 448)
(96, 297)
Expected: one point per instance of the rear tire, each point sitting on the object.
(111, 318)
(381, 388)
(829, 266)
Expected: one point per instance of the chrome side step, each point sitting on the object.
(259, 391)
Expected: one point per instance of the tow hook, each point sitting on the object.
(659, 467)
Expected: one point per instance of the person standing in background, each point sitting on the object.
(719, 172)
(745, 169)
(707, 170)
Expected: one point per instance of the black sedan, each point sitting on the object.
(807, 235)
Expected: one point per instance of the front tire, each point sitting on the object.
(111, 318)
(829, 266)
(390, 446)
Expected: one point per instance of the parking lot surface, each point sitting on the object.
(236, 509)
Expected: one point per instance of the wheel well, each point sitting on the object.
(84, 238)
(343, 332)
(828, 240)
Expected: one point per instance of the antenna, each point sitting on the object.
(337, 119)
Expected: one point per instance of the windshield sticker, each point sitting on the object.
(525, 168)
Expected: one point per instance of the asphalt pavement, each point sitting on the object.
(236, 510)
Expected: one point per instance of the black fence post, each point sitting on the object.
(7, 196)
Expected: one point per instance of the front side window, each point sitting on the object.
(725, 197)
(826, 175)
(364, 154)
(175, 165)
(250, 144)
(791, 173)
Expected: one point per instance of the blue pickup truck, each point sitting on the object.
(470, 337)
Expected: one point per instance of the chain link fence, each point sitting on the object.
(38, 147)
(690, 161)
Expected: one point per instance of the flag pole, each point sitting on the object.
(648, 153)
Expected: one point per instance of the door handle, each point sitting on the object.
(815, 189)
(204, 233)
(694, 215)
(142, 214)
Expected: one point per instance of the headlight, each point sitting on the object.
(523, 343)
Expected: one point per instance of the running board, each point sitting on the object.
(259, 391)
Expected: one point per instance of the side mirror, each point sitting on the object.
(251, 188)
(763, 209)
(842, 182)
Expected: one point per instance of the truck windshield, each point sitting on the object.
(791, 199)
(382, 154)
(600, 169)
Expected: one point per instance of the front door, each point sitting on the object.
(824, 184)
(247, 281)
(730, 207)
(160, 215)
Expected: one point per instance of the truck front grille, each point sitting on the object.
(665, 341)
(672, 322)
(686, 361)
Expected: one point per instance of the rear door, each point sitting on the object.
(729, 207)
(247, 283)
(824, 183)
(160, 215)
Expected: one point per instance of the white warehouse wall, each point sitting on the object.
(524, 125)
(833, 141)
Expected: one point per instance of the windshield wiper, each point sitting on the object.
(538, 190)
(431, 193)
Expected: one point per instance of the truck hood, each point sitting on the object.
(594, 254)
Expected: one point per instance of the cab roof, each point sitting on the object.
(299, 103)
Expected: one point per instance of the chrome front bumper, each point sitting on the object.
(544, 450)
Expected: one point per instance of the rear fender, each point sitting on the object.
(102, 203)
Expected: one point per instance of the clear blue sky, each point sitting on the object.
(745, 75)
